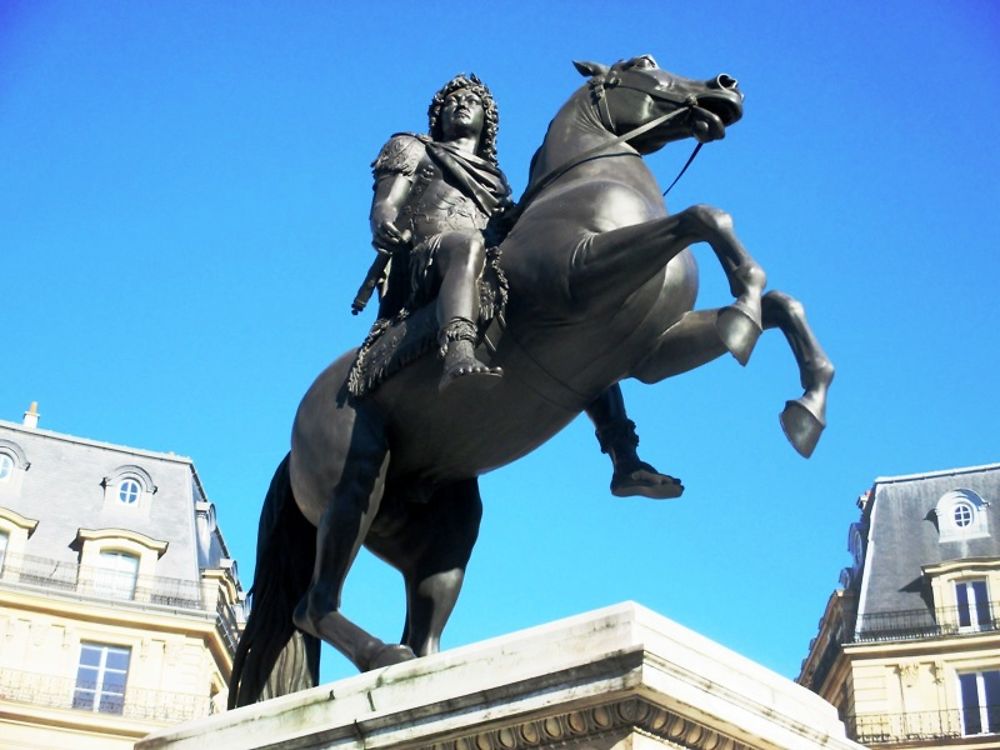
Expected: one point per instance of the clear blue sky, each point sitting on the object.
(184, 190)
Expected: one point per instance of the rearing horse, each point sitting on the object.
(602, 288)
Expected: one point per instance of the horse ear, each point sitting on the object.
(590, 69)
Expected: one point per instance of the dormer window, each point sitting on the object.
(13, 465)
(128, 491)
(129, 486)
(961, 515)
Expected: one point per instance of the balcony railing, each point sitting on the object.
(70, 576)
(890, 729)
(46, 691)
(916, 624)
(115, 587)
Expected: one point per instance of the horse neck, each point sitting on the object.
(575, 129)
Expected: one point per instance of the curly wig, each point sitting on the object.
(491, 119)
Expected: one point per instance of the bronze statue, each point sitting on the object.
(601, 288)
(435, 196)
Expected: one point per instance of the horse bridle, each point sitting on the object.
(599, 86)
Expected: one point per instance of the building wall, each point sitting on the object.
(68, 623)
(919, 615)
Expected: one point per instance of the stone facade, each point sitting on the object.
(120, 607)
(908, 649)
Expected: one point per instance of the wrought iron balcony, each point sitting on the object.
(70, 576)
(918, 624)
(890, 729)
(38, 690)
(115, 588)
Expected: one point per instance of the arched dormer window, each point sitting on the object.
(961, 514)
(13, 464)
(128, 486)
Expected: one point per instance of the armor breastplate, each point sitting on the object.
(435, 206)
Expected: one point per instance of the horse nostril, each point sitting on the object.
(724, 81)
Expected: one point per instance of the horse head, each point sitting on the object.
(636, 92)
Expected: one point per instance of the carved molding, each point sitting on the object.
(590, 724)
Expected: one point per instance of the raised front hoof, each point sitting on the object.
(393, 653)
(646, 483)
(739, 331)
(474, 376)
(801, 427)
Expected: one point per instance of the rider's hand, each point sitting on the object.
(386, 236)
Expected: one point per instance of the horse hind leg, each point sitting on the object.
(804, 418)
(431, 544)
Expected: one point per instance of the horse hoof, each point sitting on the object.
(391, 654)
(739, 332)
(801, 427)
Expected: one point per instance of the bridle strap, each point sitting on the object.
(554, 174)
(686, 105)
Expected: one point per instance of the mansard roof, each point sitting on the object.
(909, 522)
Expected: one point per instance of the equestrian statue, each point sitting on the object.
(498, 324)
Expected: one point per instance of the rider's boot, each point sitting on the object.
(457, 340)
(616, 434)
(632, 475)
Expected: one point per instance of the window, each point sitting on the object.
(961, 515)
(6, 467)
(128, 491)
(3, 548)
(973, 604)
(116, 574)
(980, 694)
(100, 678)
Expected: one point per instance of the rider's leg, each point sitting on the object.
(460, 260)
(344, 523)
(617, 436)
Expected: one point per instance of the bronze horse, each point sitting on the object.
(602, 288)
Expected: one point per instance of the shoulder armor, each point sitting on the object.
(401, 155)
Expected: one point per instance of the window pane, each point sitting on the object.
(114, 682)
(84, 699)
(90, 656)
(991, 689)
(982, 603)
(6, 466)
(970, 703)
(962, 593)
(86, 677)
(117, 659)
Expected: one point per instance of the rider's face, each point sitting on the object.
(462, 115)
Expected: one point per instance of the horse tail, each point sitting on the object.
(273, 657)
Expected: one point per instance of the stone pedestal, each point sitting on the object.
(621, 678)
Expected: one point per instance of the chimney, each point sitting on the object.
(31, 416)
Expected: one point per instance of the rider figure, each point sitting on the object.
(434, 197)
